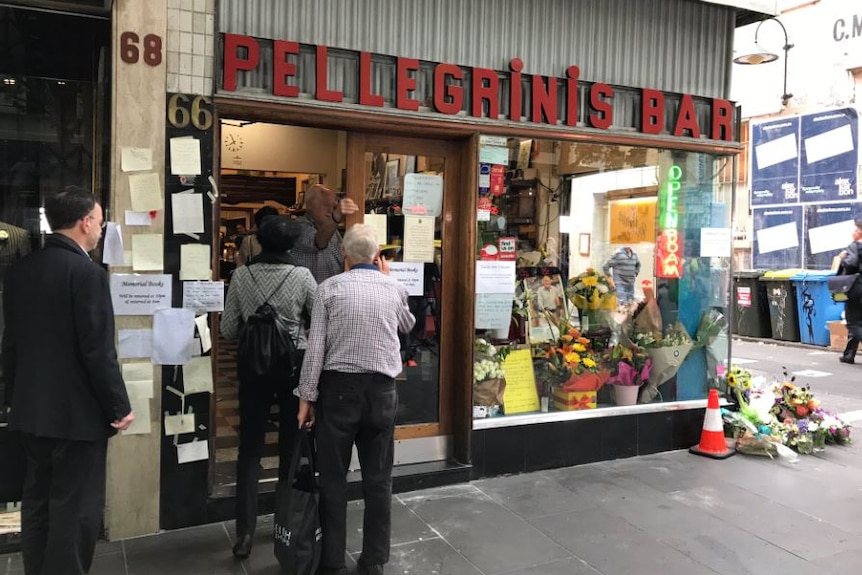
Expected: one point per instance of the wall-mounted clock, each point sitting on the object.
(233, 142)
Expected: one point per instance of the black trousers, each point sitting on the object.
(64, 498)
(256, 398)
(853, 315)
(356, 408)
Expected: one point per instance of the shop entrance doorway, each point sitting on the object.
(408, 187)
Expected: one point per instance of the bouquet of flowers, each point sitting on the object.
(786, 415)
(571, 362)
(629, 365)
(667, 355)
(489, 381)
(591, 290)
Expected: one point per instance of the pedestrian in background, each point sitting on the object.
(349, 374)
(289, 289)
(318, 246)
(251, 246)
(626, 266)
(850, 264)
(67, 391)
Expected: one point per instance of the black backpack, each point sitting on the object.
(266, 348)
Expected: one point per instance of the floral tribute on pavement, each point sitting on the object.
(780, 416)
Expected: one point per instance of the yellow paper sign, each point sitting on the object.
(520, 395)
(633, 221)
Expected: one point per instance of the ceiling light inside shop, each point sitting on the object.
(604, 182)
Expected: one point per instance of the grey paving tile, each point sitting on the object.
(595, 484)
(733, 552)
(613, 546)
(13, 563)
(796, 532)
(205, 549)
(840, 563)
(571, 566)
(531, 494)
(491, 537)
(406, 526)
(433, 556)
(437, 493)
(109, 564)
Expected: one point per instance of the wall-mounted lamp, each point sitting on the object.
(761, 55)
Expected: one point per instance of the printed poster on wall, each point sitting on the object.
(830, 154)
(828, 230)
(633, 222)
(777, 237)
(775, 162)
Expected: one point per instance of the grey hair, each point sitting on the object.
(360, 244)
(312, 195)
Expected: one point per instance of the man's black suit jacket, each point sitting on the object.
(59, 358)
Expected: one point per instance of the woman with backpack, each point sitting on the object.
(850, 264)
(288, 290)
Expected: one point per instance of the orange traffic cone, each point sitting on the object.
(712, 442)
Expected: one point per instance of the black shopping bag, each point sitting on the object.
(297, 534)
(845, 287)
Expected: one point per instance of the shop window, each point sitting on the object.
(601, 276)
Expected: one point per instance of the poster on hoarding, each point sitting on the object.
(777, 237)
(775, 162)
(829, 156)
(828, 230)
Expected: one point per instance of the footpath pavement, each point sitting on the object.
(666, 514)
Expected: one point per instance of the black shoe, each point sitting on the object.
(242, 548)
(843, 359)
(373, 569)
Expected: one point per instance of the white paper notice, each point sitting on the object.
(195, 262)
(423, 195)
(179, 423)
(188, 213)
(495, 277)
(141, 409)
(135, 343)
(136, 159)
(136, 294)
(715, 242)
(204, 333)
(198, 376)
(147, 253)
(776, 151)
(483, 215)
(112, 254)
(146, 192)
(194, 451)
(138, 218)
(138, 371)
(494, 155)
(197, 350)
(829, 144)
(410, 275)
(493, 310)
(173, 332)
(378, 222)
(776, 238)
(203, 296)
(831, 237)
(418, 239)
(185, 156)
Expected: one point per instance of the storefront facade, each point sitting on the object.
(490, 120)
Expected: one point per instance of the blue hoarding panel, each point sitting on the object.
(777, 237)
(775, 162)
(828, 228)
(830, 152)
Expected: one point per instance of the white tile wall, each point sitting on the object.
(191, 46)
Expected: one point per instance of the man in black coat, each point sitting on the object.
(67, 392)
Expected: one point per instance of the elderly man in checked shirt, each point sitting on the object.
(348, 375)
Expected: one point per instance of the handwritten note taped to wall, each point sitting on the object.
(423, 194)
(146, 192)
(520, 395)
(147, 253)
(136, 159)
(185, 156)
(633, 221)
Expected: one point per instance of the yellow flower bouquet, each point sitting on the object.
(571, 362)
(591, 290)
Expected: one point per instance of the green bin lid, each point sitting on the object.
(747, 273)
(781, 274)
